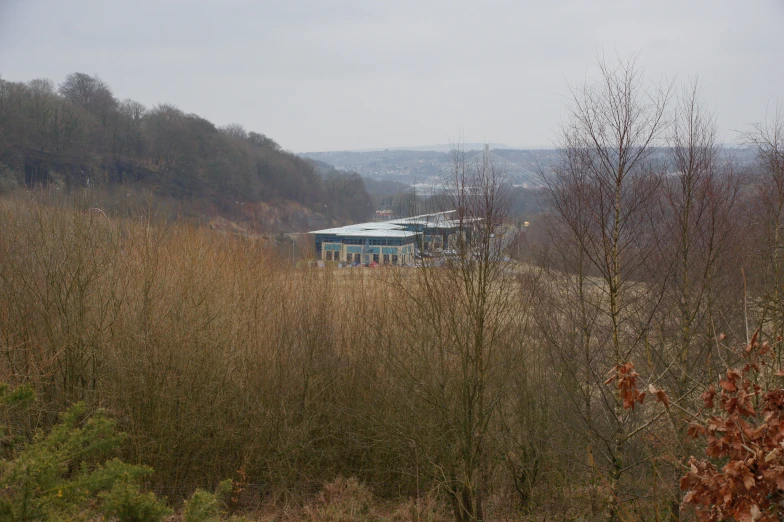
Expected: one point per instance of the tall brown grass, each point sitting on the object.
(219, 360)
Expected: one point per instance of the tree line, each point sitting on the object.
(77, 134)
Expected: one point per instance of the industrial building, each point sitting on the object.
(393, 242)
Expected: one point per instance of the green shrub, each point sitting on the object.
(207, 507)
(68, 473)
(127, 504)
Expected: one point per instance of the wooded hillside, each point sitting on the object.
(78, 134)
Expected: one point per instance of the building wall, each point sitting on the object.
(404, 253)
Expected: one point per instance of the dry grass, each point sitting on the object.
(216, 357)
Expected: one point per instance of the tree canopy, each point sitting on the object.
(79, 134)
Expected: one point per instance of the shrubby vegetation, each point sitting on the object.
(66, 473)
(78, 135)
(592, 381)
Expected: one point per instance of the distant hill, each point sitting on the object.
(425, 166)
(78, 135)
(444, 147)
(399, 165)
(422, 168)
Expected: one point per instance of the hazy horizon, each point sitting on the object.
(357, 76)
(445, 147)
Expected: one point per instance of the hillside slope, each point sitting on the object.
(78, 135)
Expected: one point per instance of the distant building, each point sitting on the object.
(392, 242)
(385, 214)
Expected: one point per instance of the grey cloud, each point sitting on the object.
(320, 75)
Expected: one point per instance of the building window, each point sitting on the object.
(386, 259)
(329, 256)
(394, 259)
(375, 258)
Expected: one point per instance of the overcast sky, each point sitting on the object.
(352, 74)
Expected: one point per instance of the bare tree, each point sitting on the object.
(601, 199)
(767, 221)
(260, 140)
(695, 234)
(89, 92)
(463, 330)
(133, 114)
(40, 106)
(235, 130)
